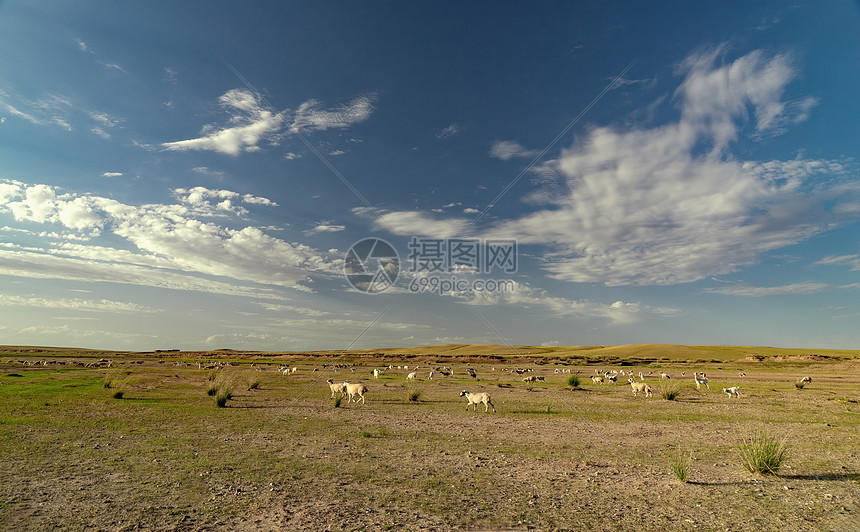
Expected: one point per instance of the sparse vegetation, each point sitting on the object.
(763, 453)
(414, 396)
(337, 401)
(223, 394)
(177, 451)
(669, 392)
(681, 463)
(573, 381)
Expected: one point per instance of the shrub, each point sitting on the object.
(337, 401)
(118, 394)
(573, 380)
(681, 464)
(669, 392)
(253, 382)
(763, 453)
(223, 394)
(414, 396)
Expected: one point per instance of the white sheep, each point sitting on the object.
(597, 379)
(411, 375)
(664, 375)
(806, 380)
(732, 392)
(475, 398)
(701, 380)
(352, 390)
(336, 387)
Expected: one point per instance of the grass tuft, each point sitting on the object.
(669, 392)
(763, 453)
(573, 380)
(414, 396)
(118, 394)
(681, 464)
(222, 395)
(337, 401)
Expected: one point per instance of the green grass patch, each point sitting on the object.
(763, 453)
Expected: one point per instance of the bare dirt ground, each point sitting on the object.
(553, 457)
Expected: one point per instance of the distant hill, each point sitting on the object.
(612, 354)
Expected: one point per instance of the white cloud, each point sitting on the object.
(852, 261)
(292, 156)
(310, 117)
(450, 131)
(470, 210)
(508, 149)
(335, 153)
(418, 224)
(762, 291)
(645, 207)
(168, 240)
(250, 123)
(325, 227)
(102, 305)
(112, 174)
(101, 132)
(521, 294)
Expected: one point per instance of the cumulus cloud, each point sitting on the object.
(672, 204)
(166, 240)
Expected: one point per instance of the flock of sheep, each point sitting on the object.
(354, 392)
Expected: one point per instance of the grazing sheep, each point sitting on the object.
(352, 390)
(411, 375)
(336, 387)
(597, 379)
(641, 377)
(534, 378)
(664, 375)
(806, 380)
(732, 392)
(640, 387)
(742, 374)
(701, 380)
(376, 373)
(475, 398)
(612, 378)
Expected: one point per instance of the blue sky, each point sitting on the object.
(191, 175)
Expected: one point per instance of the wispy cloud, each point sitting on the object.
(249, 123)
(326, 227)
(252, 122)
(311, 116)
(763, 291)
(508, 149)
(450, 131)
(618, 312)
(102, 305)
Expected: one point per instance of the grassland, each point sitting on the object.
(281, 455)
